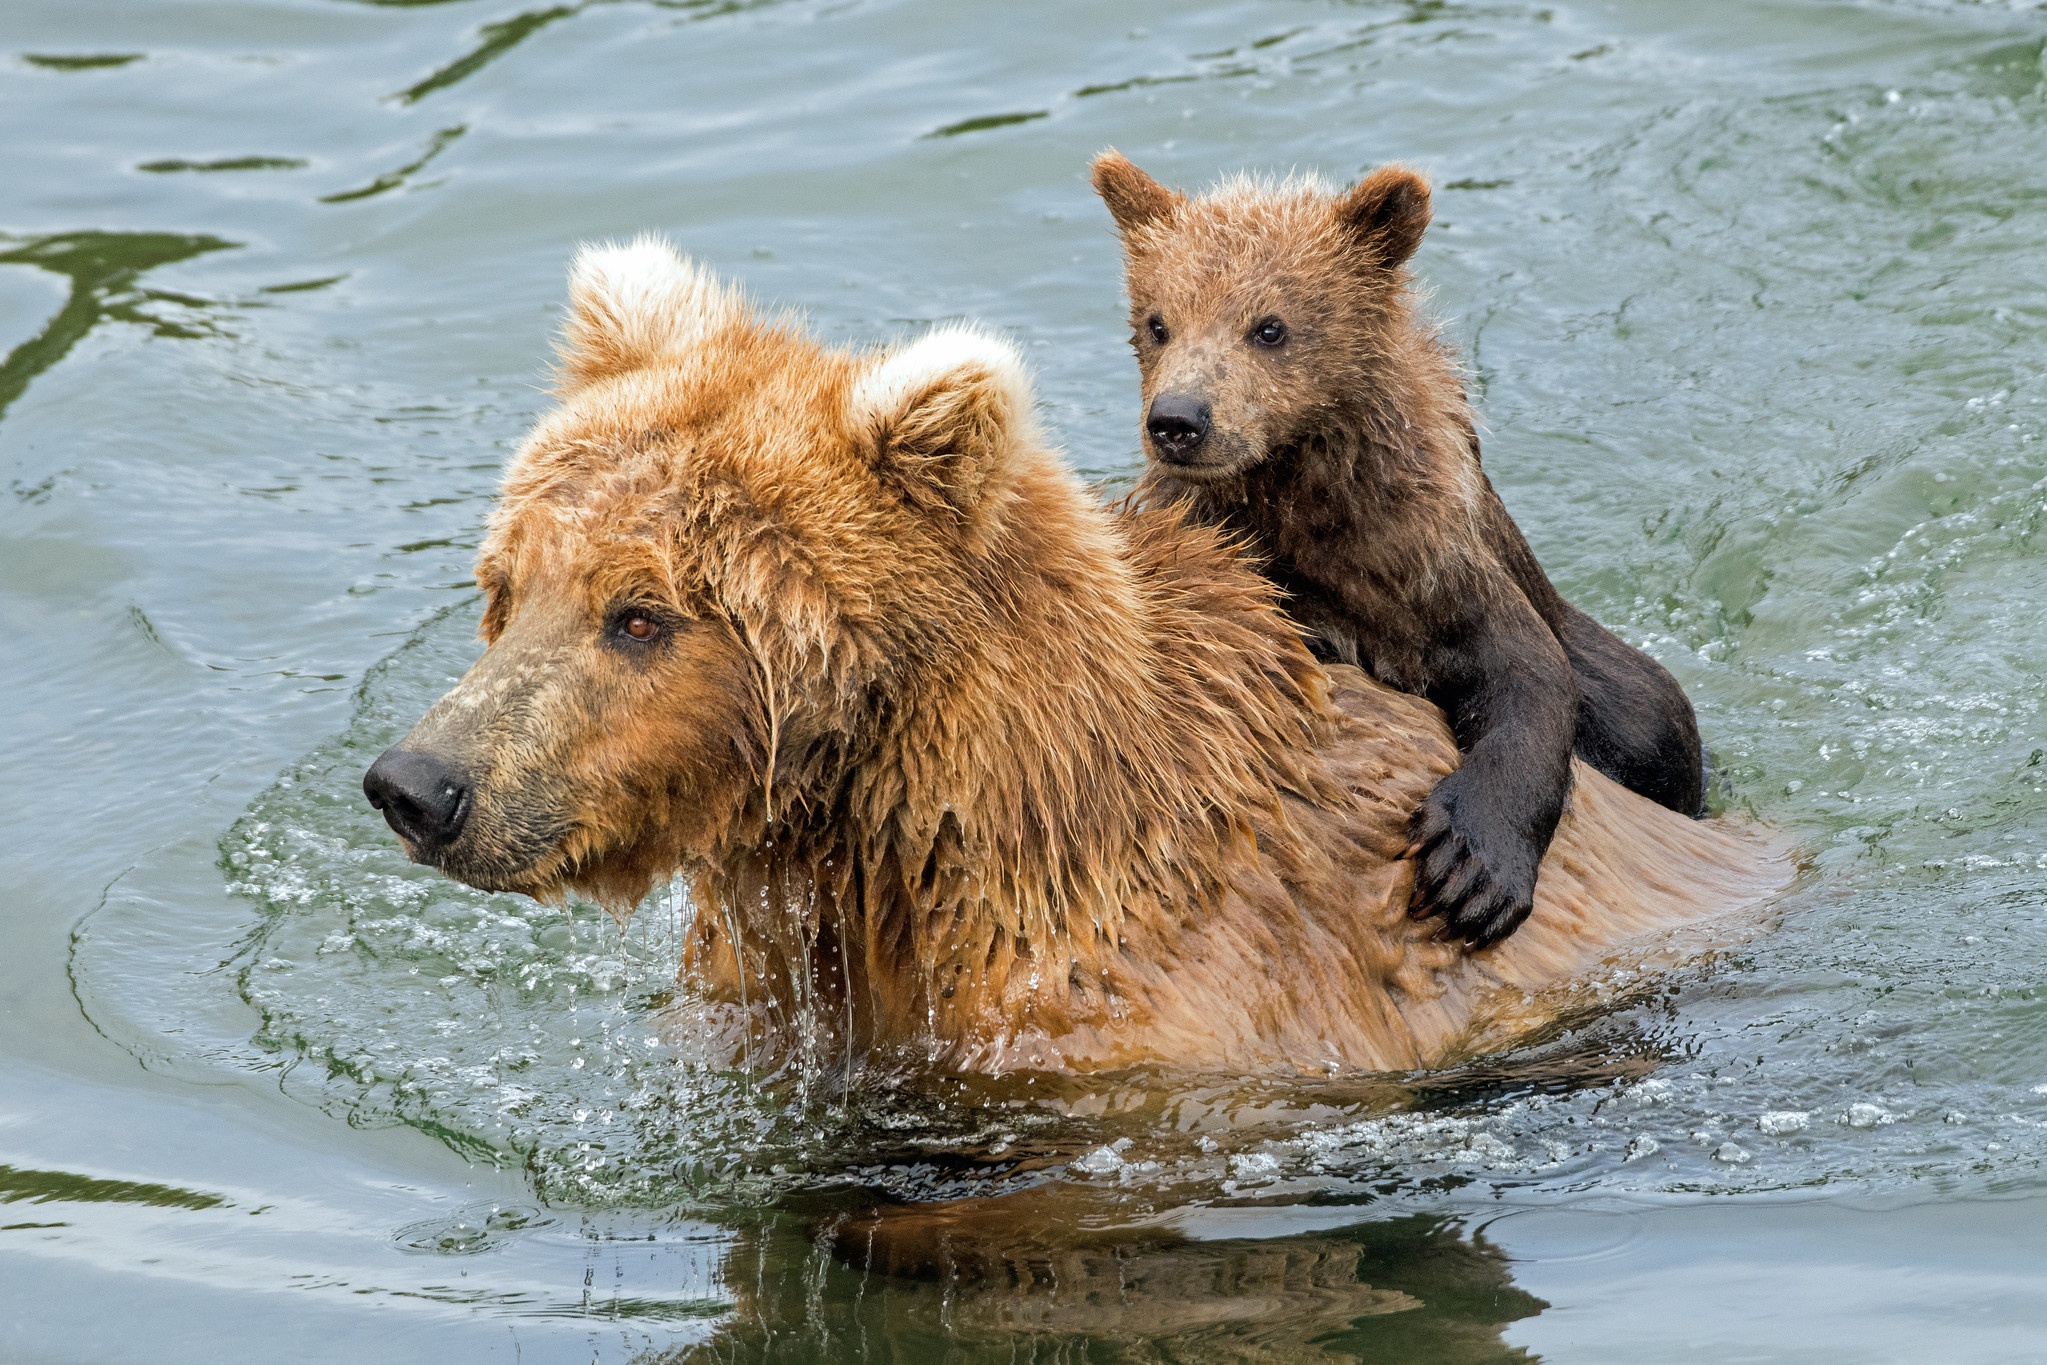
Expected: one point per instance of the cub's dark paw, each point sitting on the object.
(1471, 865)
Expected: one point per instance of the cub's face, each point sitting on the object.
(1233, 360)
(1253, 308)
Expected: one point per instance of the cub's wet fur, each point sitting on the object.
(1293, 395)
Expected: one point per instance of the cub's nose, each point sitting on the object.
(1177, 425)
(424, 798)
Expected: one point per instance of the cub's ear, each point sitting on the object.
(943, 416)
(1386, 213)
(1133, 197)
(632, 304)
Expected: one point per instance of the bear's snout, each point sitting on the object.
(424, 798)
(1178, 423)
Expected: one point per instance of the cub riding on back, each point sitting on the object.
(1292, 395)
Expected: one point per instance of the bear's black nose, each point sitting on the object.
(424, 798)
(1177, 425)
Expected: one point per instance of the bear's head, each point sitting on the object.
(1260, 311)
(711, 568)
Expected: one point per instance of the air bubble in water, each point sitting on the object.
(1101, 1161)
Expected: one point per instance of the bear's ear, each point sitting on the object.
(942, 416)
(1133, 197)
(631, 304)
(1386, 213)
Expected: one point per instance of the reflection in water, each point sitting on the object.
(85, 62)
(986, 122)
(43, 1187)
(498, 39)
(303, 286)
(391, 180)
(1010, 1280)
(103, 268)
(229, 163)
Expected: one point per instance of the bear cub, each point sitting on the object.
(1293, 395)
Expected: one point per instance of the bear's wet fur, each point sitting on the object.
(1293, 395)
(964, 768)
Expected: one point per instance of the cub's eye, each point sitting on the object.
(1271, 332)
(640, 628)
(1156, 325)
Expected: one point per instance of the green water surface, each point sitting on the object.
(1755, 301)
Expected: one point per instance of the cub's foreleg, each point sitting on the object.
(1635, 723)
(1508, 689)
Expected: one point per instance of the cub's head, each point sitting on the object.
(1257, 310)
(708, 568)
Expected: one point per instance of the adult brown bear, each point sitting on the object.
(960, 763)
(1293, 395)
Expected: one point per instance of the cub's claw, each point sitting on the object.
(1471, 867)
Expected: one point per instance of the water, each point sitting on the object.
(1756, 300)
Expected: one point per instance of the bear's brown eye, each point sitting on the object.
(1271, 332)
(1156, 325)
(633, 626)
